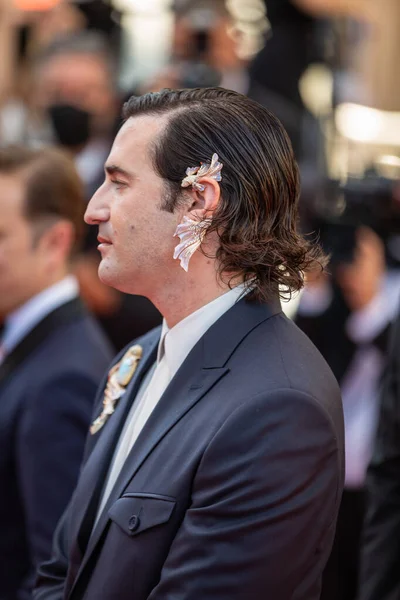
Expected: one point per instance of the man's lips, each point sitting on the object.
(103, 240)
(104, 243)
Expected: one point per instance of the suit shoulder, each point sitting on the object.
(78, 348)
(282, 356)
(303, 362)
(83, 336)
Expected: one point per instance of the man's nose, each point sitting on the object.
(97, 210)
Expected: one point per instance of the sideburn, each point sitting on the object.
(172, 198)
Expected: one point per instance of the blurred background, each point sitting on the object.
(328, 69)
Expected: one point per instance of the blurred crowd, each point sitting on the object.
(328, 69)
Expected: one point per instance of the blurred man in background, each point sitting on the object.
(347, 315)
(380, 551)
(75, 102)
(380, 557)
(52, 356)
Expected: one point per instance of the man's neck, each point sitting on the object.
(177, 301)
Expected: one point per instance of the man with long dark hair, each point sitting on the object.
(214, 465)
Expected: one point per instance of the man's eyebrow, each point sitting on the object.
(115, 170)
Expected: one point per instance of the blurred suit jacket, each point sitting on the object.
(47, 389)
(231, 490)
(380, 564)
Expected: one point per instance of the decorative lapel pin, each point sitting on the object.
(118, 379)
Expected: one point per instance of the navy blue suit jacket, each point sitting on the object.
(47, 389)
(232, 489)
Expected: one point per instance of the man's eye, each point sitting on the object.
(117, 183)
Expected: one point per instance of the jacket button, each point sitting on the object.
(134, 523)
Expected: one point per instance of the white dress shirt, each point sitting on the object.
(20, 322)
(174, 346)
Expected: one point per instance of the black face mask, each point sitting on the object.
(71, 125)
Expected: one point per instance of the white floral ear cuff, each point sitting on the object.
(193, 174)
(190, 232)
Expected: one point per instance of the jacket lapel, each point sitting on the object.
(187, 387)
(94, 472)
(202, 369)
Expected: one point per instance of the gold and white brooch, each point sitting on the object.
(118, 378)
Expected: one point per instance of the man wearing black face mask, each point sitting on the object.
(71, 125)
(75, 92)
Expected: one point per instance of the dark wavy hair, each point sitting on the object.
(257, 216)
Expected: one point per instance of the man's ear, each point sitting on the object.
(57, 241)
(204, 202)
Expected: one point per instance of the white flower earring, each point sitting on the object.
(191, 232)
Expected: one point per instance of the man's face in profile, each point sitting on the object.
(135, 233)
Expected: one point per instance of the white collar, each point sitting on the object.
(180, 340)
(20, 322)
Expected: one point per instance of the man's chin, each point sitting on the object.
(109, 277)
(106, 274)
